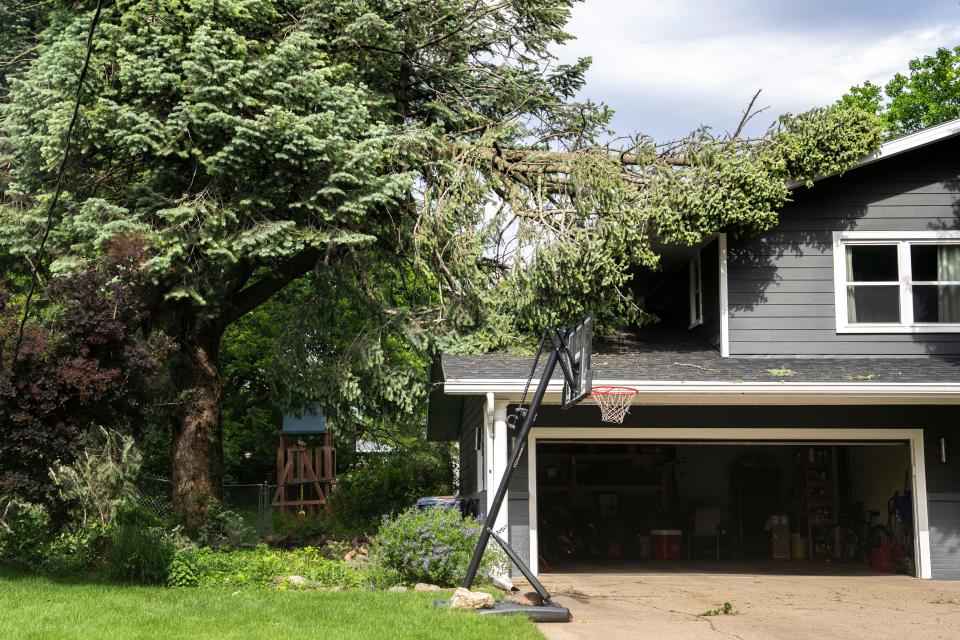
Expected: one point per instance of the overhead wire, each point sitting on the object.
(58, 189)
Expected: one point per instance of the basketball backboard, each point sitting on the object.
(576, 359)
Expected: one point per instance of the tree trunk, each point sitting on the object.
(197, 443)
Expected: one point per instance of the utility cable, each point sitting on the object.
(68, 143)
(533, 369)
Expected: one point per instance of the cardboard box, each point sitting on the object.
(779, 528)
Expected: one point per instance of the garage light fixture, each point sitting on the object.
(942, 450)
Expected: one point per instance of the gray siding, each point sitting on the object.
(471, 421)
(944, 514)
(943, 502)
(780, 283)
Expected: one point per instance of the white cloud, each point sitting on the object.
(673, 60)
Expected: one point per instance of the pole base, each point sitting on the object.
(537, 613)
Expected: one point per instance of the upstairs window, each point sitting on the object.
(892, 282)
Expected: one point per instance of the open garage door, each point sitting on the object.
(792, 504)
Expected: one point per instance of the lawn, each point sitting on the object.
(36, 607)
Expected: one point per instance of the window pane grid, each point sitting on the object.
(875, 299)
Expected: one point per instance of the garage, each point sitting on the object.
(758, 500)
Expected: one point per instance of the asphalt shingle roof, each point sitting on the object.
(667, 357)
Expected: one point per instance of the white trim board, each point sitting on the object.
(900, 145)
(674, 392)
(724, 298)
(704, 435)
(903, 240)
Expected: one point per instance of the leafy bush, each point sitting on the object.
(386, 484)
(138, 554)
(24, 532)
(74, 552)
(259, 567)
(434, 545)
(100, 482)
(83, 363)
(182, 570)
(378, 576)
(225, 529)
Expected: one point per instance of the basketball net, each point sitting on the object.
(614, 402)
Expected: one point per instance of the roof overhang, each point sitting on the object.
(726, 393)
(902, 144)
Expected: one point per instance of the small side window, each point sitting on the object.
(696, 294)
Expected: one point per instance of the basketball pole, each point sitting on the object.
(558, 343)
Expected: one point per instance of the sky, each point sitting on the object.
(667, 66)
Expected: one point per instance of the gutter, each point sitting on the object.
(722, 392)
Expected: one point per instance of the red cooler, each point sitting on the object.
(667, 544)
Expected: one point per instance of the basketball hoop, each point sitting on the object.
(614, 402)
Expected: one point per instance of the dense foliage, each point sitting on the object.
(262, 567)
(386, 484)
(928, 94)
(422, 166)
(101, 528)
(433, 546)
(83, 365)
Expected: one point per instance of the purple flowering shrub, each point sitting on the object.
(433, 546)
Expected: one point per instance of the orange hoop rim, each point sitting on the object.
(610, 390)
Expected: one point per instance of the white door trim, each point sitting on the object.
(497, 465)
(704, 435)
(724, 297)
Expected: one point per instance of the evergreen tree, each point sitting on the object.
(423, 163)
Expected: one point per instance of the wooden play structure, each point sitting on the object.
(305, 473)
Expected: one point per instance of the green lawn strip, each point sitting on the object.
(34, 607)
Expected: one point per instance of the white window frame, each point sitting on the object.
(695, 287)
(903, 240)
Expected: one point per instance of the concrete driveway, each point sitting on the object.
(766, 605)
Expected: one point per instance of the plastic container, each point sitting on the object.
(644, 547)
(667, 544)
(445, 502)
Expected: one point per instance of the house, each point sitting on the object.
(797, 373)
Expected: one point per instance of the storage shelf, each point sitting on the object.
(591, 473)
(600, 456)
(811, 474)
(602, 487)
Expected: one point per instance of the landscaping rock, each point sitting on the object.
(422, 586)
(297, 581)
(397, 589)
(468, 600)
(529, 599)
(503, 583)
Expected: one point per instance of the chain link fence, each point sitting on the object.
(250, 501)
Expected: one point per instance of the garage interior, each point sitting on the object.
(608, 504)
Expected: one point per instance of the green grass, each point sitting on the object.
(35, 607)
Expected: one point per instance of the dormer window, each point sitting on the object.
(897, 282)
(696, 292)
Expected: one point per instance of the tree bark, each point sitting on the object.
(197, 443)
